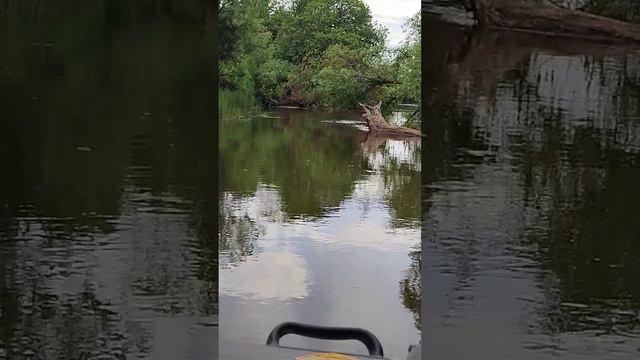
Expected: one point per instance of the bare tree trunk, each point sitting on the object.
(537, 16)
(378, 125)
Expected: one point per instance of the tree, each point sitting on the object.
(228, 33)
(625, 10)
(249, 60)
(541, 16)
(339, 60)
(407, 64)
(325, 23)
(343, 76)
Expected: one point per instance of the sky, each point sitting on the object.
(392, 15)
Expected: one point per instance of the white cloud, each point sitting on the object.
(394, 9)
(273, 266)
(392, 14)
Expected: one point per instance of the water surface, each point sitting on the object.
(531, 202)
(107, 181)
(320, 224)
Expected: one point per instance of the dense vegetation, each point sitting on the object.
(625, 10)
(324, 53)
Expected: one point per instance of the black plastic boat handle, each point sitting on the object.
(327, 333)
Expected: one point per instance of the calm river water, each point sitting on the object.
(320, 224)
(108, 246)
(531, 203)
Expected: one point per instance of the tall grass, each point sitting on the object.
(235, 105)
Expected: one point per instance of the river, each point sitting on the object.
(108, 244)
(320, 224)
(531, 238)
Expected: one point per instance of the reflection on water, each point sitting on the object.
(531, 205)
(107, 242)
(242, 280)
(318, 222)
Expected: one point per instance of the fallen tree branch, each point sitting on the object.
(536, 16)
(377, 81)
(378, 125)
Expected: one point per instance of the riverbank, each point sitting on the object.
(344, 59)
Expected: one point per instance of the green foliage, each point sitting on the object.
(338, 60)
(406, 71)
(251, 63)
(325, 23)
(625, 10)
(228, 32)
(234, 104)
(343, 76)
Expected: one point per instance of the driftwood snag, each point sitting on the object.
(378, 125)
(542, 17)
